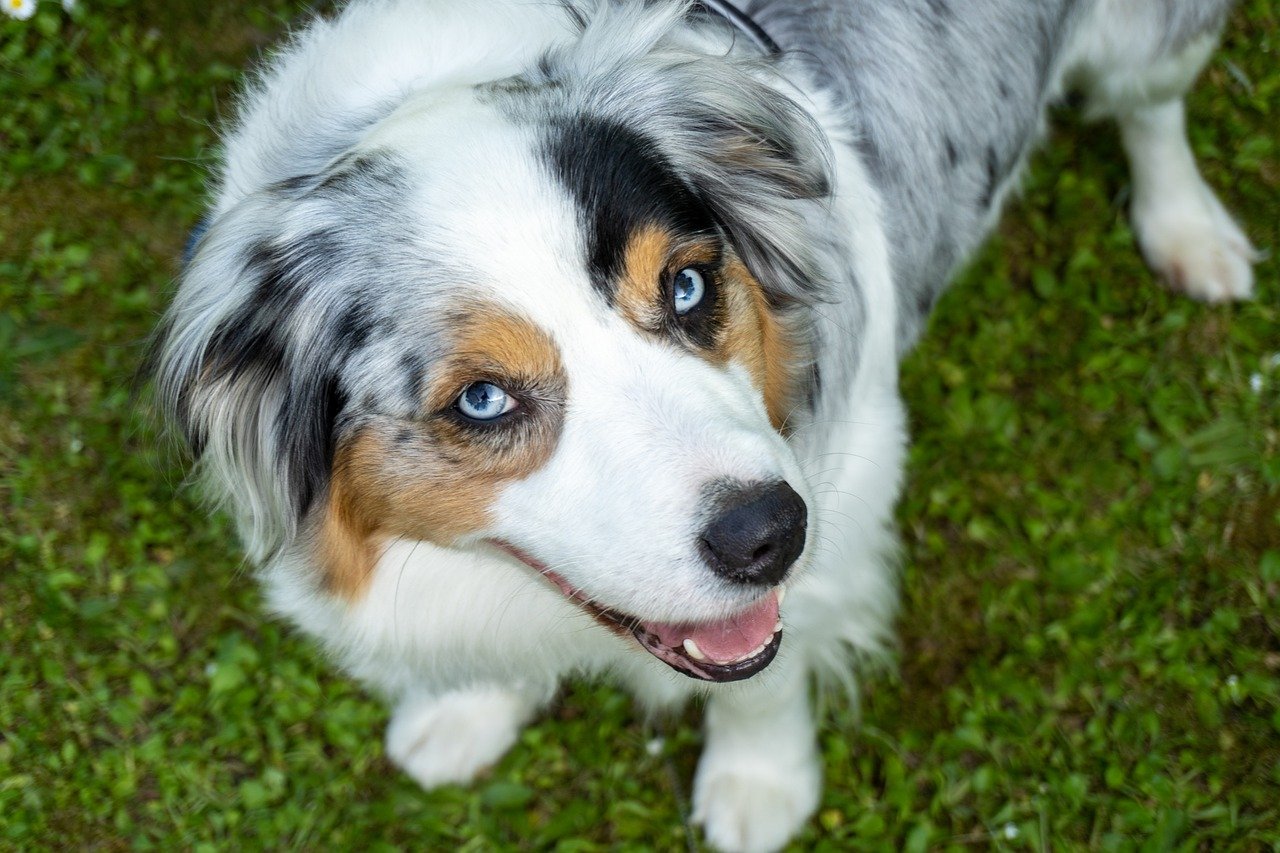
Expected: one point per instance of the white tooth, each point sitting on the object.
(692, 650)
(778, 627)
(782, 593)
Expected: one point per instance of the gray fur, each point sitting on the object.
(327, 284)
(946, 98)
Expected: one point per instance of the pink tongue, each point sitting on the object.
(728, 639)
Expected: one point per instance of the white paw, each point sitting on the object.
(756, 807)
(1197, 248)
(451, 738)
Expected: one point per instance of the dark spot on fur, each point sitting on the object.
(250, 346)
(251, 338)
(1003, 88)
(872, 159)
(356, 173)
(939, 16)
(354, 325)
(295, 186)
(404, 435)
(815, 386)
(953, 156)
(992, 178)
(414, 369)
(924, 303)
(545, 68)
(193, 240)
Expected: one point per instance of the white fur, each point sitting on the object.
(444, 739)
(1185, 233)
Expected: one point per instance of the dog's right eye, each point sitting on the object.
(484, 402)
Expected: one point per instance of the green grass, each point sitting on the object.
(1091, 633)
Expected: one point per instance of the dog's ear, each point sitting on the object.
(753, 156)
(255, 397)
(729, 124)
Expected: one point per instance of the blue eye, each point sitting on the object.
(484, 401)
(687, 290)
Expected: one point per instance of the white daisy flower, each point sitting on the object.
(20, 9)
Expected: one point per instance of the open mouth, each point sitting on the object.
(728, 649)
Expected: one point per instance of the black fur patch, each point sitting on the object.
(306, 432)
(620, 183)
(354, 326)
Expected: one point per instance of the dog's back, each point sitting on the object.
(946, 98)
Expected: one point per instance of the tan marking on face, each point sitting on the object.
(435, 479)
(639, 293)
(755, 336)
(752, 333)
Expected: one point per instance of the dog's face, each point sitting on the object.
(505, 321)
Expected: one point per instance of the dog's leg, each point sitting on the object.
(759, 777)
(451, 737)
(1186, 235)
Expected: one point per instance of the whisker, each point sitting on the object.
(833, 490)
(395, 595)
(823, 511)
(840, 453)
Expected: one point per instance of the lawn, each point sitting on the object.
(1090, 650)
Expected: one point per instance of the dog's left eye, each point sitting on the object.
(484, 401)
(687, 290)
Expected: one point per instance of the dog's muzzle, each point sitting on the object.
(755, 536)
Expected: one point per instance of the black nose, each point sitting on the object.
(757, 534)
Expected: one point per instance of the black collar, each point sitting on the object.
(742, 22)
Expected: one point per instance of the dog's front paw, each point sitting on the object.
(754, 807)
(446, 739)
(1197, 248)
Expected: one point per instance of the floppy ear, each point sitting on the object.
(751, 167)
(726, 123)
(256, 401)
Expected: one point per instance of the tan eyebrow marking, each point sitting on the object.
(760, 340)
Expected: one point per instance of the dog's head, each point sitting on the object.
(562, 314)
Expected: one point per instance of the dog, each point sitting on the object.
(529, 340)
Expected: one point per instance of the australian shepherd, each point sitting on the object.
(528, 340)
